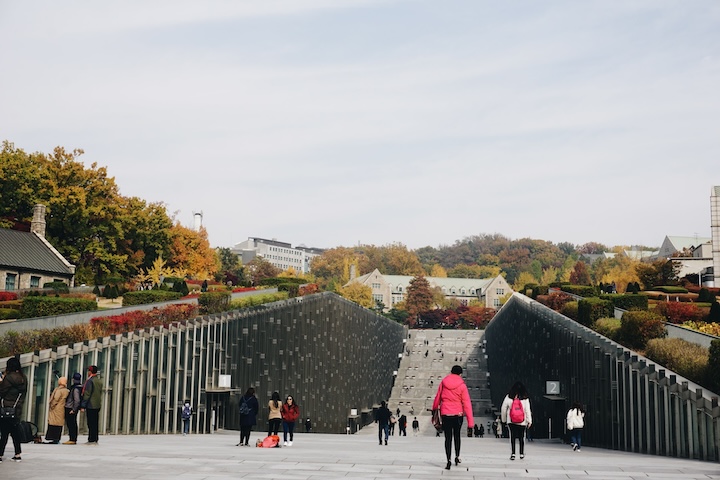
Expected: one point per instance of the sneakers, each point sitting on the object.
(285, 444)
(572, 445)
(290, 443)
(16, 458)
(522, 456)
(512, 457)
(69, 442)
(91, 443)
(575, 447)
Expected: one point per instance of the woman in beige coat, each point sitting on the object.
(56, 413)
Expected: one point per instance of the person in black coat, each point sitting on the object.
(382, 418)
(249, 407)
(13, 390)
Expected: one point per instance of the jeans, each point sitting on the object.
(576, 436)
(288, 427)
(186, 425)
(383, 428)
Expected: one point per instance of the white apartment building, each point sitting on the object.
(391, 289)
(281, 254)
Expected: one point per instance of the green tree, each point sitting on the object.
(658, 273)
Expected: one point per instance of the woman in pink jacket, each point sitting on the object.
(453, 400)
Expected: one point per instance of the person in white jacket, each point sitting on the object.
(575, 423)
(517, 419)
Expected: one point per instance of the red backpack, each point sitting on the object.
(517, 413)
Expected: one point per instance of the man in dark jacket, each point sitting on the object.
(382, 418)
(91, 402)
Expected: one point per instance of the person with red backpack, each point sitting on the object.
(516, 413)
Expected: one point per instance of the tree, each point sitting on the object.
(190, 250)
(260, 269)
(419, 296)
(358, 293)
(473, 271)
(438, 271)
(657, 273)
(523, 279)
(580, 275)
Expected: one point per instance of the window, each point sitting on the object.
(500, 291)
(462, 292)
(376, 286)
(472, 292)
(399, 289)
(34, 282)
(10, 281)
(496, 302)
(377, 297)
(452, 291)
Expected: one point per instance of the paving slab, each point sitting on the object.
(325, 456)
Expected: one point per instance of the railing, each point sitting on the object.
(633, 404)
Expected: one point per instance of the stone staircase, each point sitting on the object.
(429, 355)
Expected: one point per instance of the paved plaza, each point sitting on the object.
(324, 456)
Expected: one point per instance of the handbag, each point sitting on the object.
(437, 420)
(26, 431)
(9, 412)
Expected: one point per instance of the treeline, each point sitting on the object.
(105, 234)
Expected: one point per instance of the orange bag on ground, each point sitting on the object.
(270, 441)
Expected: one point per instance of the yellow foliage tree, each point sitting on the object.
(358, 293)
(190, 251)
(157, 270)
(549, 275)
(523, 279)
(438, 271)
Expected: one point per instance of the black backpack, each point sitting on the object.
(244, 407)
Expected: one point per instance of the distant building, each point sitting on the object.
(280, 254)
(28, 260)
(391, 289)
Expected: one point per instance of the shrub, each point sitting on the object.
(557, 300)
(540, 290)
(214, 302)
(709, 328)
(96, 290)
(637, 327)
(7, 313)
(590, 309)
(608, 327)
(670, 289)
(570, 310)
(580, 290)
(277, 281)
(291, 288)
(143, 297)
(714, 315)
(528, 287)
(713, 367)
(682, 357)
(5, 296)
(46, 306)
(255, 300)
(705, 296)
(181, 287)
(139, 319)
(57, 287)
(679, 312)
(628, 302)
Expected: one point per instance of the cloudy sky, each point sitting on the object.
(337, 122)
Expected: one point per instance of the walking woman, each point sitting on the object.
(290, 414)
(248, 415)
(575, 423)
(274, 415)
(56, 412)
(515, 412)
(453, 400)
(13, 390)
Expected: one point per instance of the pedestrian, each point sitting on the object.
(308, 425)
(496, 428)
(402, 425)
(416, 426)
(248, 415)
(72, 407)
(274, 414)
(186, 415)
(453, 400)
(382, 418)
(393, 421)
(91, 402)
(482, 431)
(13, 390)
(516, 413)
(575, 424)
(477, 431)
(56, 412)
(290, 414)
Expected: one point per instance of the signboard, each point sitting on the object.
(552, 388)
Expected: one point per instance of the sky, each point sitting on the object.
(341, 122)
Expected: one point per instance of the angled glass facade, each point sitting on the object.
(330, 354)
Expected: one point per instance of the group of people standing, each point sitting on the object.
(284, 413)
(64, 406)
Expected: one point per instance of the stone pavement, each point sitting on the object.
(325, 456)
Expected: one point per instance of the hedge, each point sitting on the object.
(57, 287)
(255, 300)
(670, 289)
(580, 290)
(682, 357)
(627, 302)
(6, 313)
(540, 290)
(214, 302)
(274, 282)
(608, 327)
(45, 306)
(142, 297)
(590, 309)
(638, 327)
(5, 296)
(291, 288)
(570, 310)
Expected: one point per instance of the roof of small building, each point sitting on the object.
(686, 242)
(28, 251)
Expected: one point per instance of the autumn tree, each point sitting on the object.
(580, 274)
(657, 273)
(419, 296)
(438, 271)
(358, 293)
(473, 271)
(525, 278)
(190, 251)
(259, 269)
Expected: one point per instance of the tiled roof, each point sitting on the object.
(27, 251)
